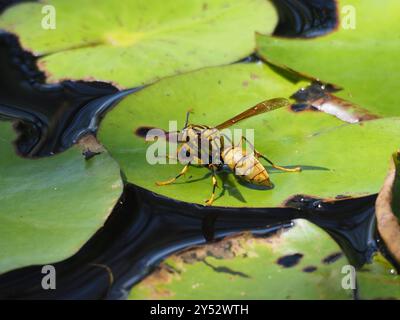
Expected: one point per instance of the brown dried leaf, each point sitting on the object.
(386, 206)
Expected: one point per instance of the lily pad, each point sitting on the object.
(288, 265)
(378, 280)
(135, 42)
(364, 60)
(336, 158)
(51, 206)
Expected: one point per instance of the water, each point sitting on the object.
(145, 228)
(305, 18)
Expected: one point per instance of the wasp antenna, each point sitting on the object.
(187, 117)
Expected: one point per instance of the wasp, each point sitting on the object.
(217, 153)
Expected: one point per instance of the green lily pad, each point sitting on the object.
(378, 280)
(51, 206)
(288, 265)
(135, 42)
(337, 158)
(364, 61)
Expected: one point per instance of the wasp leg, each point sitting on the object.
(210, 201)
(177, 154)
(260, 155)
(164, 183)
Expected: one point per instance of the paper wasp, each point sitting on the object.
(233, 156)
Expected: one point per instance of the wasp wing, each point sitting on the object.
(262, 107)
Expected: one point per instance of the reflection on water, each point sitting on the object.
(144, 228)
(305, 18)
(47, 110)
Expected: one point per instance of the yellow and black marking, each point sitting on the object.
(206, 146)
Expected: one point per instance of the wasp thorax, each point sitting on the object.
(200, 145)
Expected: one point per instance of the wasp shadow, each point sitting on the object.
(230, 180)
(229, 185)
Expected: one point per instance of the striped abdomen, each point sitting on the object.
(246, 166)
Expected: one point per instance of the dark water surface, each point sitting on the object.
(145, 228)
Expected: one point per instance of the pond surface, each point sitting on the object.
(145, 228)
